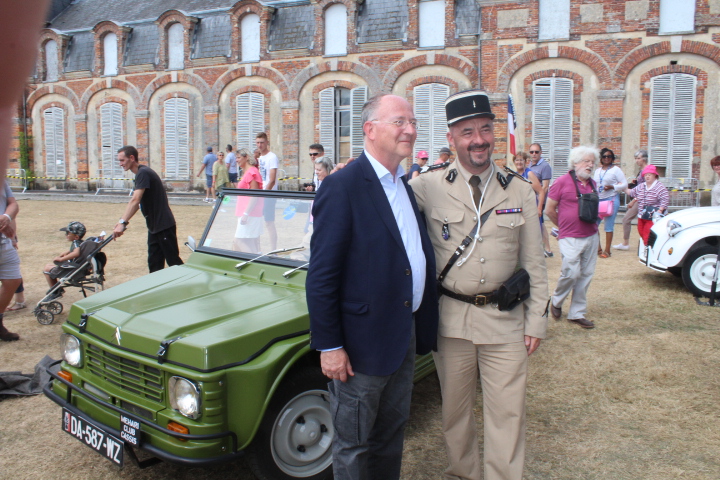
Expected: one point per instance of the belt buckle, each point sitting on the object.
(477, 300)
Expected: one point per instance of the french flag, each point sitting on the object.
(511, 125)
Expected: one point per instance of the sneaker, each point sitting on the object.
(620, 246)
(555, 232)
(548, 254)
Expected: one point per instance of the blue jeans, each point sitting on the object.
(610, 221)
(369, 416)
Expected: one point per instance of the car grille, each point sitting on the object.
(129, 375)
(652, 238)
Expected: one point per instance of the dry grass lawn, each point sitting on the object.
(636, 398)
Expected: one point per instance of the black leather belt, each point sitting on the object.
(479, 300)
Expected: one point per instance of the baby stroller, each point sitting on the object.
(86, 272)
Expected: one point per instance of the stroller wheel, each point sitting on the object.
(44, 317)
(55, 308)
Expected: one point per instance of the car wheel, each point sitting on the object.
(698, 270)
(295, 437)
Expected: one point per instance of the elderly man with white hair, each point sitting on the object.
(577, 238)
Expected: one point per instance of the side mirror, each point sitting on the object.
(190, 243)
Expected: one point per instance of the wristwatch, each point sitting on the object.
(123, 222)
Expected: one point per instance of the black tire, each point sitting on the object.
(676, 271)
(295, 436)
(698, 269)
(44, 317)
(55, 308)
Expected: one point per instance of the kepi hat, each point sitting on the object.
(467, 104)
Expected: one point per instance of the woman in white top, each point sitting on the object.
(610, 180)
(715, 200)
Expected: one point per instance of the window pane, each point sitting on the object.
(343, 96)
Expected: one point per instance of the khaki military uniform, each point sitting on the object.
(484, 338)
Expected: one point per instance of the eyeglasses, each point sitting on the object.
(400, 123)
(608, 156)
(535, 151)
(314, 154)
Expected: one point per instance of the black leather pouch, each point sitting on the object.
(513, 291)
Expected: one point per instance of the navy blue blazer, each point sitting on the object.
(359, 283)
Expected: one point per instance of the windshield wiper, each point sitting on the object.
(290, 272)
(274, 252)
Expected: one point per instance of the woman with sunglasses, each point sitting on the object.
(610, 181)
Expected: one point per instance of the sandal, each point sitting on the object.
(16, 306)
(604, 255)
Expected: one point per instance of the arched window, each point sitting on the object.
(432, 23)
(51, 61)
(672, 121)
(176, 47)
(429, 106)
(336, 30)
(177, 139)
(110, 56)
(341, 132)
(250, 38)
(54, 142)
(552, 121)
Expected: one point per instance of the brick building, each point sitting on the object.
(173, 77)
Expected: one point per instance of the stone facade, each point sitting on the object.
(613, 52)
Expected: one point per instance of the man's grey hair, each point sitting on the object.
(577, 154)
(370, 108)
(641, 153)
(326, 163)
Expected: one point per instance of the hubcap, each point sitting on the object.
(702, 272)
(302, 435)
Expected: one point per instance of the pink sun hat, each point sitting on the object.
(651, 169)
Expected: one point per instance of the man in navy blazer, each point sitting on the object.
(371, 293)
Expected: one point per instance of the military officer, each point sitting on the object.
(494, 214)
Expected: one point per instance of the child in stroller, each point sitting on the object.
(82, 266)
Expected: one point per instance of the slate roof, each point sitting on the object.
(212, 37)
(292, 27)
(80, 52)
(143, 43)
(382, 20)
(467, 17)
(85, 14)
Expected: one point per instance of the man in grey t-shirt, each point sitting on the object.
(543, 171)
(231, 163)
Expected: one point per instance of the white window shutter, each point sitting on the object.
(672, 119)
(562, 125)
(112, 137)
(250, 118)
(327, 122)
(358, 97)
(422, 106)
(439, 127)
(177, 138)
(54, 142)
(552, 121)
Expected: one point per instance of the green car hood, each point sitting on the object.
(211, 319)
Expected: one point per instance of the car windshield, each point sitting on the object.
(239, 226)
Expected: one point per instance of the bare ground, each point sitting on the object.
(633, 399)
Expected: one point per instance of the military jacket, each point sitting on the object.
(509, 238)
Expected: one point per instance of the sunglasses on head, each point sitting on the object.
(534, 151)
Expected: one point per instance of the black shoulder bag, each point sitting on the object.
(588, 203)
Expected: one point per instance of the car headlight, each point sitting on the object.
(71, 351)
(673, 228)
(184, 397)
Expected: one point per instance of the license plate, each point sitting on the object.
(94, 437)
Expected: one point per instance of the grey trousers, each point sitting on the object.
(579, 256)
(630, 215)
(369, 415)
